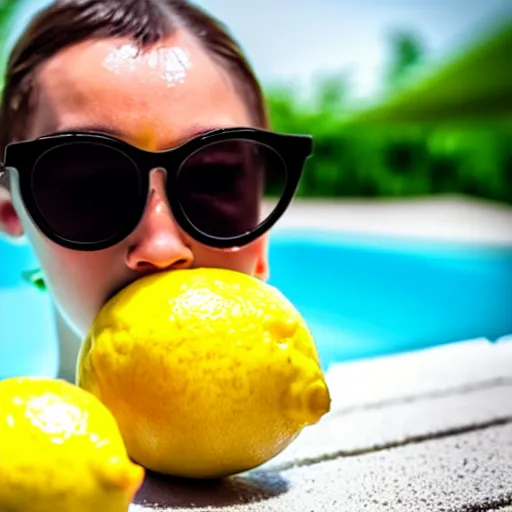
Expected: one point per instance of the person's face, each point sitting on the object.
(94, 85)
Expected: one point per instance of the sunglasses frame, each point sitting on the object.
(21, 158)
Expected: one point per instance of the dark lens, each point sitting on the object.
(228, 188)
(85, 191)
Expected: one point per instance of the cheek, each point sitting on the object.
(78, 281)
(63, 266)
(243, 260)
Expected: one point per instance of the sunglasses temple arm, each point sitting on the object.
(4, 174)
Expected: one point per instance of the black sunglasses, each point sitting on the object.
(88, 191)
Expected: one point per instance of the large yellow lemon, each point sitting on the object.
(61, 451)
(208, 372)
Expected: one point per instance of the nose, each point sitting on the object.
(157, 243)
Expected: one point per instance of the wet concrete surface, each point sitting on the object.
(445, 448)
(468, 472)
(437, 371)
(398, 424)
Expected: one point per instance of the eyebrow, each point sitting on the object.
(110, 131)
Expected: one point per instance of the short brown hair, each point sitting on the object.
(68, 22)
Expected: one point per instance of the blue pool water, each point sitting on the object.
(28, 342)
(370, 296)
(362, 297)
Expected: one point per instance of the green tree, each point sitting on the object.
(407, 54)
(448, 131)
(474, 86)
(8, 11)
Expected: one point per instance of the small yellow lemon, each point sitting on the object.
(209, 372)
(61, 450)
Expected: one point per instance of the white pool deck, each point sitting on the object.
(445, 218)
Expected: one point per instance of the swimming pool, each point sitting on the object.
(28, 341)
(368, 296)
(361, 296)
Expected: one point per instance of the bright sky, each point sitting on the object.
(293, 39)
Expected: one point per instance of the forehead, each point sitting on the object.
(157, 96)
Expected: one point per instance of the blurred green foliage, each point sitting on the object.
(408, 53)
(8, 11)
(450, 132)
